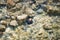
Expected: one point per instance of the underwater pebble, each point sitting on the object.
(2, 28)
(29, 21)
(3, 22)
(13, 23)
(15, 0)
(22, 17)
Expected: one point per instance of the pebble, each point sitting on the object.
(3, 22)
(2, 28)
(13, 23)
(1, 16)
(39, 11)
(29, 21)
(13, 17)
(22, 17)
(30, 12)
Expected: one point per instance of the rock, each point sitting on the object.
(40, 1)
(13, 23)
(2, 28)
(29, 21)
(22, 17)
(1, 16)
(29, 12)
(33, 6)
(3, 22)
(19, 5)
(2, 2)
(10, 2)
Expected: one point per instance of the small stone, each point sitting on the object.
(1, 16)
(33, 6)
(22, 17)
(40, 1)
(15, 0)
(19, 5)
(13, 17)
(39, 11)
(2, 28)
(13, 23)
(3, 22)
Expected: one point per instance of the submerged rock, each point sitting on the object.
(30, 12)
(29, 21)
(2, 28)
(22, 17)
(13, 23)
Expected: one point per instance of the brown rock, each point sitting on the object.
(29, 12)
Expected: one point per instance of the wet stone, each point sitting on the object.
(13, 23)
(3, 22)
(29, 21)
(2, 28)
(22, 17)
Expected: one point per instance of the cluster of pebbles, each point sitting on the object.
(29, 19)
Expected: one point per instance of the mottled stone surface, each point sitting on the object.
(29, 19)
